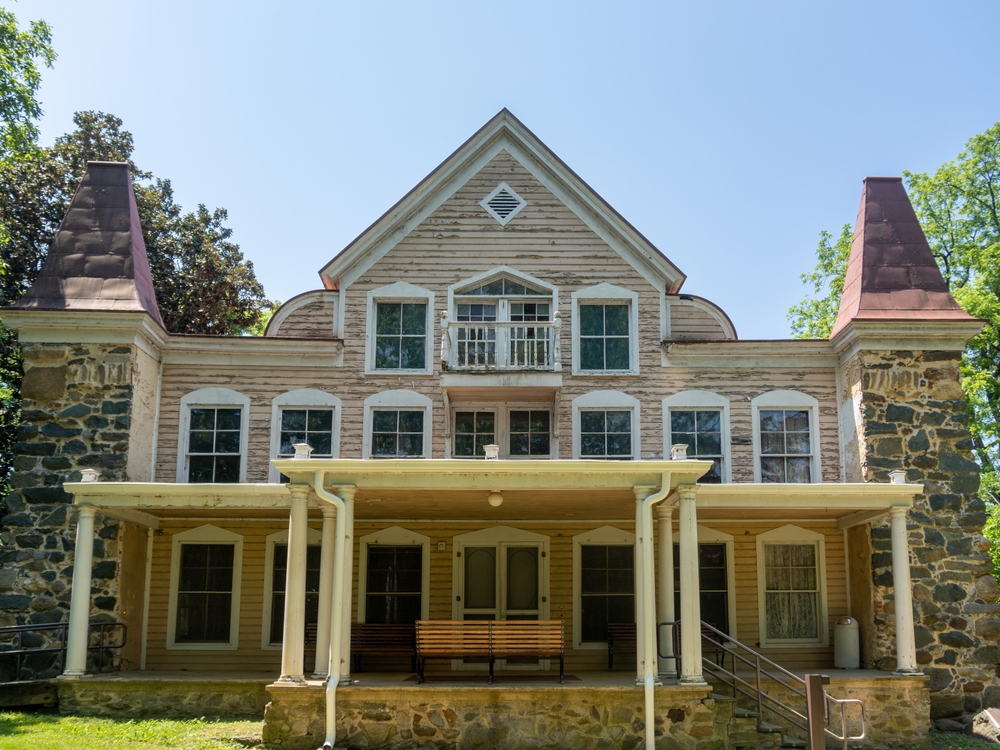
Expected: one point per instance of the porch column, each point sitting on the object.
(641, 493)
(293, 641)
(322, 667)
(665, 587)
(347, 495)
(690, 600)
(79, 605)
(902, 584)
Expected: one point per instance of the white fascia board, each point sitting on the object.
(853, 496)
(912, 335)
(747, 353)
(151, 495)
(249, 351)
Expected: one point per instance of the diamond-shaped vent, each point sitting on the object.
(503, 203)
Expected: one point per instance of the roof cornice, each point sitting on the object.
(799, 353)
(918, 335)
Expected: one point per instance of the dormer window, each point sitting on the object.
(502, 322)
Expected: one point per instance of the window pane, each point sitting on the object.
(682, 421)
(227, 419)
(321, 443)
(771, 420)
(616, 320)
(518, 444)
(592, 445)
(203, 419)
(293, 419)
(227, 442)
(320, 420)
(772, 443)
(384, 445)
(592, 354)
(227, 469)
(709, 444)
(539, 421)
(388, 319)
(619, 445)
(201, 469)
(540, 445)
(411, 445)
(465, 445)
(414, 319)
(797, 421)
(617, 354)
(591, 320)
(411, 421)
(592, 421)
(798, 470)
(797, 443)
(772, 469)
(619, 421)
(384, 421)
(594, 556)
(465, 422)
(413, 353)
(387, 352)
(709, 421)
(519, 421)
(201, 441)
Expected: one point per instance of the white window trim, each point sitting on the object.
(206, 534)
(790, 534)
(607, 294)
(395, 536)
(605, 535)
(502, 220)
(787, 400)
(314, 538)
(501, 411)
(305, 398)
(213, 398)
(397, 400)
(606, 401)
(401, 291)
(693, 400)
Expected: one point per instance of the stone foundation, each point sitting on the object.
(174, 697)
(506, 718)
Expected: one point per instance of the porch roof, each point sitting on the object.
(440, 489)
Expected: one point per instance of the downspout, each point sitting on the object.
(649, 596)
(336, 608)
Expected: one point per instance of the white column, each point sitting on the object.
(906, 651)
(641, 493)
(665, 586)
(690, 599)
(322, 666)
(79, 604)
(293, 641)
(347, 494)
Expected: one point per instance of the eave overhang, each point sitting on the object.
(911, 335)
(798, 353)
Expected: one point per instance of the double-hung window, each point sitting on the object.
(397, 433)
(791, 587)
(607, 589)
(474, 430)
(394, 584)
(701, 431)
(606, 434)
(530, 433)
(212, 436)
(605, 331)
(786, 438)
(401, 336)
(520, 431)
(279, 572)
(304, 416)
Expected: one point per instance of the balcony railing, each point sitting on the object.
(493, 346)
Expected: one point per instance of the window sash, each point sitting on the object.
(605, 338)
(701, 431)
(214, 446)
(394, 585)
(388, 441)
(606, 433)
(400, 335)
(279, 572)
(313, 430)
(529, 433)
(205, 593)
(607, 588)
(792, 591)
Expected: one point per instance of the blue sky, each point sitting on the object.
(730, 134)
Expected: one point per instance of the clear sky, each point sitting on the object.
(729, 133)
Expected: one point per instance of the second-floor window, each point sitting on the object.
(701, 431)
(397, 434)
(312, 426)
(606, 434)
(530, 434)
(400, 336)
(474, 430)
(785, 445)
(214, 444)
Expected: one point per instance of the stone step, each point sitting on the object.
(766, 727)
(745, 713)
(793, 742)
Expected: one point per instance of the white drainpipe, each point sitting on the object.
(336, 618)
(649, 596)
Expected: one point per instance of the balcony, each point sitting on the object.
(500, 346)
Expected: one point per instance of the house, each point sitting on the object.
(501, 303)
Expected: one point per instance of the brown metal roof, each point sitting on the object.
(98, 259)
(891, 272)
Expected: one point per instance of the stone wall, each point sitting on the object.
(515, 717)
(76, 409)
(912, 416)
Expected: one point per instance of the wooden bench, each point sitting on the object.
(621, 637)
(376, 639)
(491, 640)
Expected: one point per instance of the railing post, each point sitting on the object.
(445, 343)
(815, 713)
(79, 607)
(556, 341)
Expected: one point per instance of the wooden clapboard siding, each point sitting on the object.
(689, 322)
(312, 320)
(130, 591)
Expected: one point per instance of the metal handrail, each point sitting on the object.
(63, 627)
(727, 645)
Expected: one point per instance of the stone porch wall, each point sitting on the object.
(174, 697)
(76, 405)
(505, 718)
(911, 415)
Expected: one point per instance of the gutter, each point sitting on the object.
(336, 607)
(649, 615)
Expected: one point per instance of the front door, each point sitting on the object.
(501, 580)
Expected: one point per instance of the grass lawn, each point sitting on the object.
(51, 731)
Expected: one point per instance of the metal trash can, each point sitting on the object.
(846, 644)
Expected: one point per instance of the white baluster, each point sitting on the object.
(445, 341)
(556, 341)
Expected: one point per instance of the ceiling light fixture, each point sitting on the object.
(495, 499)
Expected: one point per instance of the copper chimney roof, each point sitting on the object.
(98, 260)
(891, 272)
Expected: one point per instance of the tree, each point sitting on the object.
(813, 318)
(959, 208)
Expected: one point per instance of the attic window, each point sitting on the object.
(503, 204)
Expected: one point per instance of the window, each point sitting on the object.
(785, 437)
(474, 430)
(304, 416)
(397, 425)
(606, 434)
(606, 426)
(604, 337)
(603, 584)
(791, 587)
(701, 431)
(713, 584)
(607, 589)
(397, 590)
(212, 436)
(204, 598)
(400, 327)
(400, 336)
(279, 571)
(529, 434)
(605, 330)
(394, 584)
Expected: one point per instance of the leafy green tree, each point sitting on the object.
(813, 317)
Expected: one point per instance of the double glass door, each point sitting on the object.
(502, 581)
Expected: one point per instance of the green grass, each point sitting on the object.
(45, 731)
(956, 741)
